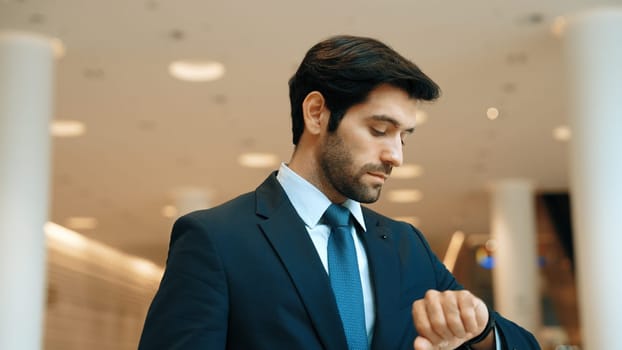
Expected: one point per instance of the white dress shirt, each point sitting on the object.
(310, 204)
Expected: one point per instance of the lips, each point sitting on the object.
(382, 176)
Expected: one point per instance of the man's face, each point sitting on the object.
(357, 158)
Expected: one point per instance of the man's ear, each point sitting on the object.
(314, 112)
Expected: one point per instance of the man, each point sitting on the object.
(299, 263)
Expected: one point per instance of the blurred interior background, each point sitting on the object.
(134, 146)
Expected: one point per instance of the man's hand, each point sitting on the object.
(445, 320)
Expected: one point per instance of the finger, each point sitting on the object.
(422, 322)
(453, 317)
(467, 305)
(436, 316)
(422, 343)
(481, 313)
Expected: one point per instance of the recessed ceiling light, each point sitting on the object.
(169, 211)
(94, 73)
(516, 58)
(559, 26)
(197, 70)
(258, 160)
(81, 223)
(413, 220)
(405, 196)
(492, 113)
(534, 18)
(407, 171)
(67, 128)
(421, 117)
(562, 133)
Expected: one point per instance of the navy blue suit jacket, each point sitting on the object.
(246, 275)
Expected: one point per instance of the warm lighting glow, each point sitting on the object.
(559, 26)
(405, 196)
(413, 220)
(491, 245)
(81, 223)
(145, 267)
(562, 133)
(169, 211)
(65, 236)
(58, 48)
(74, 244)
(455, 244)
(197, 70)
(492, 113)
(407, 171)
(420, 117)
(258, 160)
(67, 128)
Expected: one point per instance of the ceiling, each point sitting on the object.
(148, 134)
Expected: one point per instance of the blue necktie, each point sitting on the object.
(344, 276)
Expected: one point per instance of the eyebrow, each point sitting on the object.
(386, 118)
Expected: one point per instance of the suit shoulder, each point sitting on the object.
(227, 214)
(231, 207)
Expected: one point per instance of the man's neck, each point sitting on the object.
(305, 165)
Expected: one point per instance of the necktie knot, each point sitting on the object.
(337, 215)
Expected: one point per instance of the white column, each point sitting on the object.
(26, 82)
(515, 274)
(593, 52)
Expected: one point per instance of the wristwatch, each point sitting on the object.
(490, 326)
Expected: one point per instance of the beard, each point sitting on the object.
(339, 171)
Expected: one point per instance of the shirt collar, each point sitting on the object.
(310, 203)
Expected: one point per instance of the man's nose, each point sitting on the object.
(392, 154)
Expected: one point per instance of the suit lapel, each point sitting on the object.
(383, 259)
(287, 234)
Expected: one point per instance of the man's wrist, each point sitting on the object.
(486, 333)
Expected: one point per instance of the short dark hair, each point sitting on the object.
(345, 69)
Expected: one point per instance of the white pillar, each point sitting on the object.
(593, 51)
(515, 274)
(26, 77)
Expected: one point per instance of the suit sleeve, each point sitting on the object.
(190, 309)
(513, 337)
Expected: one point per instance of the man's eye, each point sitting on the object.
(378, 132)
